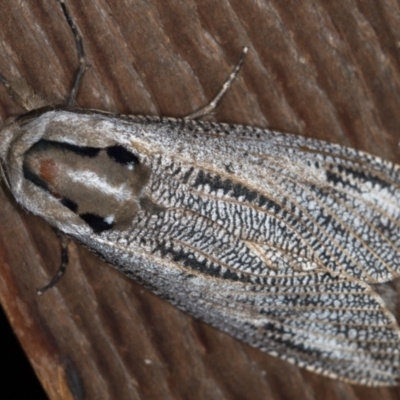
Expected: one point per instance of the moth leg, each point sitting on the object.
(13, 93)
(3, 177)
(214, 102)
(63, 266)
(83, 64)
(22, 93)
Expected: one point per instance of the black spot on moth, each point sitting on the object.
(68, 203)
(97, 223)
(121, 155)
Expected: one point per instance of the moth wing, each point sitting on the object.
(337, 206)
(335, 325)
(344, 203)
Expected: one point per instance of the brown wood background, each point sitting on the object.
(323, 69)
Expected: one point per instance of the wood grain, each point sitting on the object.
(323, 69)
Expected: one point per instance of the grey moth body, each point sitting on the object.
(273, 238)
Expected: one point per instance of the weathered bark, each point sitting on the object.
(323, 69)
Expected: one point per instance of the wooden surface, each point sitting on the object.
(323, 69)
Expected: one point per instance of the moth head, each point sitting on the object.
(64, 168)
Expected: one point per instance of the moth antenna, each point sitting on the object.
(225, 87)
(83, 64)
(63, 266)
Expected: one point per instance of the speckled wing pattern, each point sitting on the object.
(273, 238)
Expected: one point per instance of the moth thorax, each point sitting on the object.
(103, 186)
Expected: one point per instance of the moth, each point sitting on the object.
(270, 237)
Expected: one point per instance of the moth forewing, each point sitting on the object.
(270, 237)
